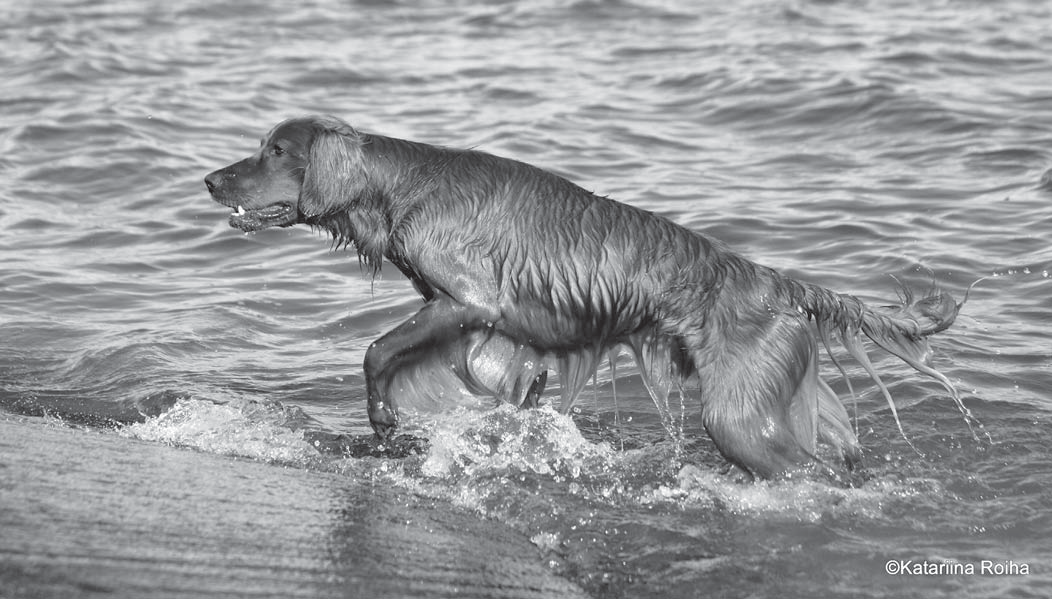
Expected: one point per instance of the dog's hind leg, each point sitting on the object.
(761, 392)
(834, 426)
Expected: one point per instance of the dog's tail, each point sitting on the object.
(901, 330)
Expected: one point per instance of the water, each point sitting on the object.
(844, 143)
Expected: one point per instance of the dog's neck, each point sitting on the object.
(401, 171)
(397, 175)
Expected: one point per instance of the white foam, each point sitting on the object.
(800, 499)
(237, 428)
(508, 440)
(482, 459)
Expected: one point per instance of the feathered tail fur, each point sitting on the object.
(901, 330)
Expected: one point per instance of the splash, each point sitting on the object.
(539, 441)
(802, 498)
(528, 468)
(243, 428)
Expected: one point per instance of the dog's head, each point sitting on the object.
(300, 170)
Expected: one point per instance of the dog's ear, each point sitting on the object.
(335, 176)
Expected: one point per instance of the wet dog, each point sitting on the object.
(522, 271)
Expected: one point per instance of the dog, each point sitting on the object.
(523, 271)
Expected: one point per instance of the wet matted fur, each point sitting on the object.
(522, 271)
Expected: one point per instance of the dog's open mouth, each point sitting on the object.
(275, 215)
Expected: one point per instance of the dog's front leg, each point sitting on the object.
(435, 324)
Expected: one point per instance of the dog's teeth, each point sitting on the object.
(240, 209)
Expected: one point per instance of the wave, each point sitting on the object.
(511, 464)
(264, 431)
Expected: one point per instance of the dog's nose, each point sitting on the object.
(213, 181)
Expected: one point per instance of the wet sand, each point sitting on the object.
(88, 513)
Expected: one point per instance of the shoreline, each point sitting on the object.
(88, 513)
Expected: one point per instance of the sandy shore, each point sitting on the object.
(86, 513)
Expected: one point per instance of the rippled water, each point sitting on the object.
(844, 143)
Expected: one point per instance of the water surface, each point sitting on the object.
(846, 143)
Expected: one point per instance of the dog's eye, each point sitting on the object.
(277, 150)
